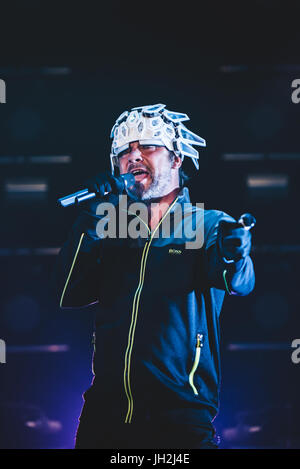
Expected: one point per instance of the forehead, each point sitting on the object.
(145, 143)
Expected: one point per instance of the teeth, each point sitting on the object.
(139, 171)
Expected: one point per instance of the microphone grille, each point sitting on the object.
(128, 179)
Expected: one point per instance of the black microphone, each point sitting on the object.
(126, 181)
(247, 220)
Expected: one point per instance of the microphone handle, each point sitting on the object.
(84, 194)
(80, 196)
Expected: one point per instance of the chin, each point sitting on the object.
(137, 191)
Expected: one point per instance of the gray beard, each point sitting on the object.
(158, 187)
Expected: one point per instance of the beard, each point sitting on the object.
(158, 187)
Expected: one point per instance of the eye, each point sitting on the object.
(123, 153)
(148, 147)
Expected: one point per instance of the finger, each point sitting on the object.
(116, 184)
(107, 187)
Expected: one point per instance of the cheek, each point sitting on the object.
(122, 166)
(162, 166)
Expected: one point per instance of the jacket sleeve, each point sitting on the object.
(76, 273)
(236, 278)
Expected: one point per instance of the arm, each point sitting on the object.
(236, 278)
(77, 265)
(77, 269)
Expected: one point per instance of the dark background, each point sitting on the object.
(70, 70)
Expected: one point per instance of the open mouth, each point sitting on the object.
(139, 174)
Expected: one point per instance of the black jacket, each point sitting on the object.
(157, 326)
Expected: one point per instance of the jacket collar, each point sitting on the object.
(183, 197)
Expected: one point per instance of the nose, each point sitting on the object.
(135, 155)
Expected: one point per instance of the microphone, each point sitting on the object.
(125, 181)
(247, 221)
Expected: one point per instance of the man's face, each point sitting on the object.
(154, 173)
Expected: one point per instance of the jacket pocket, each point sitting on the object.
(199, 345)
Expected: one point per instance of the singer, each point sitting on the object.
(156, 360)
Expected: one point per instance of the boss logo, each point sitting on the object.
(175, 251)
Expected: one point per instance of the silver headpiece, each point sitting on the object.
(154, 125)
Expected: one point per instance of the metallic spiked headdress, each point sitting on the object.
(154, 125)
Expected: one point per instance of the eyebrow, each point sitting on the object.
(140, 144)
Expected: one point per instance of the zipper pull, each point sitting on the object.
(199, 341)
(94, 341)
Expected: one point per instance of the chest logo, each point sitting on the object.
(175, 251)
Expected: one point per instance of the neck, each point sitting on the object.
(158, 207)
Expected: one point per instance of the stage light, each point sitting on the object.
(22, 190)
(39, 159)
(50, 159)
(242, 156)
(53, 348)
(284, 156)
(266, 186)
(261, 181)
(43, 251)
(25, 185)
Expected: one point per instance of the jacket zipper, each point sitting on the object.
(226, 284)
(94, 352)
(128, 353)
(71, 270)
(127, 384)
(199, 345)
(94, 341)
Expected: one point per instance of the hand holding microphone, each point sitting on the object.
(88, 200)
(99, 186)
(234, 238)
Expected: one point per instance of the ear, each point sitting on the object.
(177, 162)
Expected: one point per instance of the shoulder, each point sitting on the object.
(210, 217)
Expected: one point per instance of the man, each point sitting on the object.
(156, 358)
